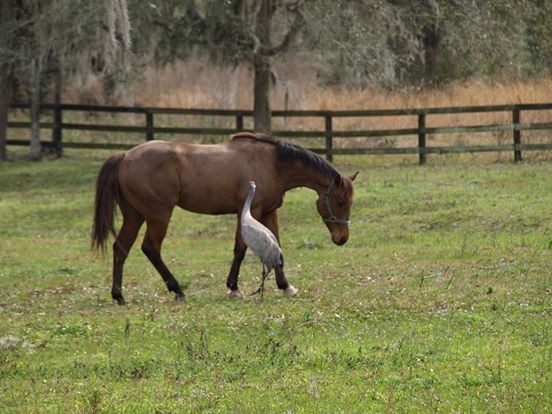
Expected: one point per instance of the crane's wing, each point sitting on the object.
(262, 242)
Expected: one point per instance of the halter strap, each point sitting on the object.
(331, 216)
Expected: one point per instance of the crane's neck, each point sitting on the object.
(246, 211)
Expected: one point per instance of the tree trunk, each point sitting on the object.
(7, 13)
(431, 43)
(36, 148)
(261, 91)
(56, 131)
(261, 105)
(5, 98)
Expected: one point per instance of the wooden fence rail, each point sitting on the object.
(150, 131)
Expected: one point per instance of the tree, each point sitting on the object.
(8, 13)
(349, 41)
(539, 36)
(461, 39)
(384, 43)
(233, 31)
(41, 37)
(422, 43)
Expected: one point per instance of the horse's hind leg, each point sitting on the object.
(157, 229)
(270, 220)
(132, 221)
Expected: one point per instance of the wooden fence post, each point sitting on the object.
(329, 138)
(57, 135)
(239, 122)
(422, 138)
(517, 134)
(149, 126)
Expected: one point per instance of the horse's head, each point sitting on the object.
(334, 206)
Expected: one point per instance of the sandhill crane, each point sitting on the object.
(260, 239)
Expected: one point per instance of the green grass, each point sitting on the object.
(440, 301)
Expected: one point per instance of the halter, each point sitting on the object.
(331, 217)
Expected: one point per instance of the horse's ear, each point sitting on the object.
(352, 177)
(338, 180)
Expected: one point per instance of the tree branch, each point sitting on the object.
(290, 36)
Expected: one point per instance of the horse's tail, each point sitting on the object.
(107, 194)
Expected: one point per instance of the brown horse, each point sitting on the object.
(149, 180)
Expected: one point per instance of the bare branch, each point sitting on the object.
(290, 36)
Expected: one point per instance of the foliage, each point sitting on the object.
(496, 47)
(42, 40)
(230, 32)
(349, 41)
(225, 30)
(398, 43)
(41, 29)
(539, 37)
(440, 301)
(365, 42)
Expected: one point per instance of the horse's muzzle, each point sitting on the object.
(340, 241)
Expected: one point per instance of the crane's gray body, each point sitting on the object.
(263, 244)
(258, 237)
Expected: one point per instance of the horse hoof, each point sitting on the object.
(235, 294)
(179, 297)
(291, 291)
(120, 301)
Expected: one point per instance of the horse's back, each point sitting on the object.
(207, 179)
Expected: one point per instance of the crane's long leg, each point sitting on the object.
(260, 289)
(265, 275)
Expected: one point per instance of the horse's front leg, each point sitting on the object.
(270, 220)
(239, 254)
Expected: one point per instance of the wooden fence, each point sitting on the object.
(150, 131)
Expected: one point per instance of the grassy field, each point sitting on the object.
(441, 301)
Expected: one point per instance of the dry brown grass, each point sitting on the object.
(199, 84)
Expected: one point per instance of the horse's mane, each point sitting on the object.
(289, 153)
(254, 136)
